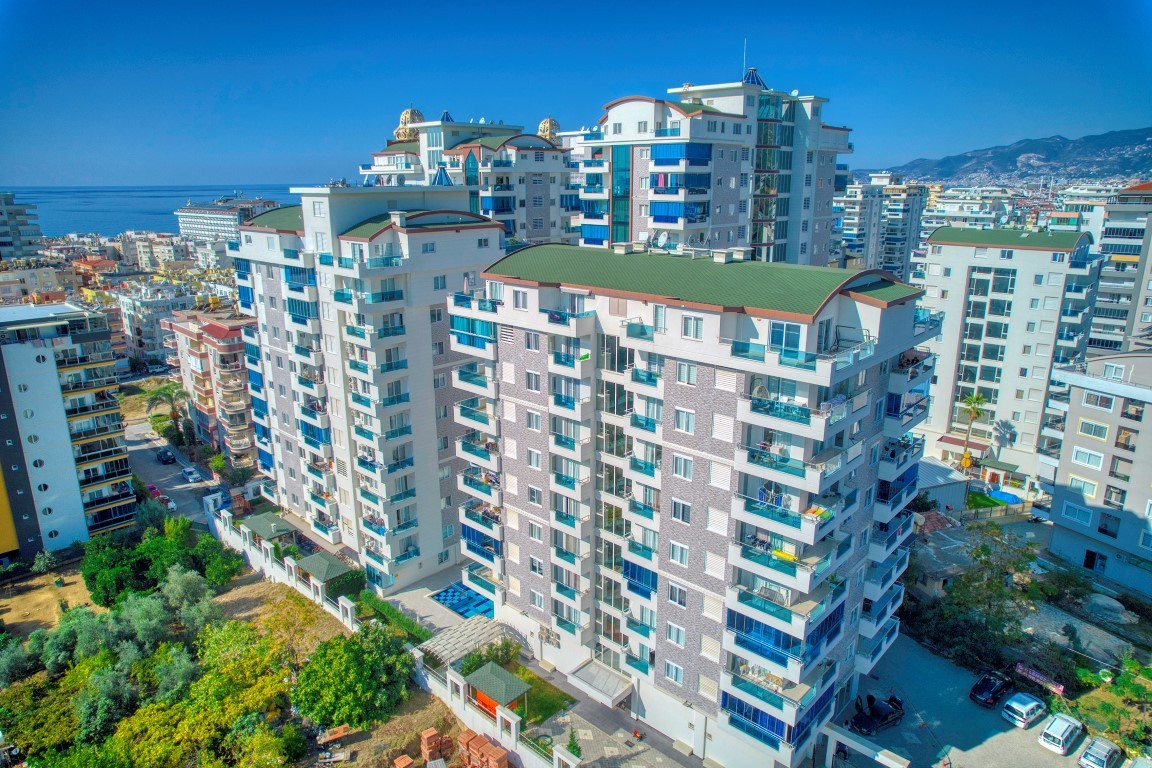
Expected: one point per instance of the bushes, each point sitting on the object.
(369, 605)
(501, 653)
(350, 583)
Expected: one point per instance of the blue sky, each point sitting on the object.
(107, 93)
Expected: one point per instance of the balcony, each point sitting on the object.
(483, 515)
(869, 652)
(877, 612)
(647, 378)
(795, 616)
(482, 485)
(911, 414)
(474, 381)
(640, 331)
(914, 367)
(892, 499)
(97, 406)
(885, 542)
(800, 572)
(646, 423)
(567, 402)
(637, 507)
(643, 466)
(484, 453)
(477, 413)
(926, 324)
(468, 301)
(898, 454)
(482, 577)
(881, 576)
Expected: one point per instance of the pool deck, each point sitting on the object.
(416, 601)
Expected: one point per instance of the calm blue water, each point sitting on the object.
(112, 210)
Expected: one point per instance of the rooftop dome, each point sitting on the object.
(548, 129)
(407, 117)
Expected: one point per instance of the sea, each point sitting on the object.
(112, 210)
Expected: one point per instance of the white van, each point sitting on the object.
(1023, 709)
(1061, 734)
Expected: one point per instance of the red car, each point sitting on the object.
(153, 491)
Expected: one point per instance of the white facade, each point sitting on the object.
(219, 219)
(349, 367)
(694, 513)
(1122, 320)
(721, 166)
(1015, 305)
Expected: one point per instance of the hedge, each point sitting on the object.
(369, 605)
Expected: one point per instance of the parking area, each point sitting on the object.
(941, 723)
(142, 447)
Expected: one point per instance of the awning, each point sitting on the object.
(1003, 466)
(324, 566)
(268, 526)
(601, 682)
(973, 446)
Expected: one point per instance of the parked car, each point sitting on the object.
(167, 502)
(165, 456)
(1023, 709)
(1061, 734)
(989, 689)
(1100, 753)
(157, 369)
(191, 474)
(876, 714)
(153, 491)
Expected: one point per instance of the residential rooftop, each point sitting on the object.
(30, 314)
(1008, 238)
(754, 287)
(286, 218)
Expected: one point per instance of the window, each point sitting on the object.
(1097, 400)
(536, 565)
(678, 595)
(1113, 371)
(519, 299)
(428, 248)
(617, 127)
(441, 412)
(678, 553)
(535, 496)
(532, 381)
(1077, 513)
(482, 242)
(674, 672)
(533, 458)
(675, 634)
(1093, 429)
(532, 341)
(1086, 458)
(537, 599)
(532, 420)
(682, 467)
(439, 380)
(642, 126)
(682, 511)
(535, 531)
(447, 531)
(1085, 487)
(692, 327)
(442, 443)
(436, 315)
(437, 347)
(685, 421)
(440, 282)
(686, 373)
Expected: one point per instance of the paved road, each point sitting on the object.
(941, 721)
(142, 447)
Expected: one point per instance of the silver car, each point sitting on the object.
(1023, 709)
(1100, 753)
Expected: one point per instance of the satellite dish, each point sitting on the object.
(795, 92)
(483, 121)
(662, 240)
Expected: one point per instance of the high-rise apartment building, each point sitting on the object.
(1122, 319)
(65, 468)
(881, 223)
(688, 477)
(521, 180)
(1087, 204)
(142, 307)
(969, 208)
(1015, 304)
(349, 367)
(219, 219)
(207, 353)
(1102, 507)
(20, 236)
(719, 166)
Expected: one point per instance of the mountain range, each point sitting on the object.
(1116, 155)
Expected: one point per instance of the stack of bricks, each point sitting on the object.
(446, 747)
(403, 762)
(430, 742)
(462, 742)
(495, 756)
(476, 749)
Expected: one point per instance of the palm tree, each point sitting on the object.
(169, 396)
(971, 406)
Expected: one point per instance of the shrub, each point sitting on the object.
(349, 583)
(45, 561)
(369, 605)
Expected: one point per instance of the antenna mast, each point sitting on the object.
(744, 67)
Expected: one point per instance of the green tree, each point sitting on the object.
(218, 464)
(170, 396)
(218, 564)
(45, 562)
(16, 663)
(987, 590)
(972, 406)
(110, 566)
(573, 744)
(174, 672)
(358, 680)
(150, 514)
(145, 621)
(108, 697)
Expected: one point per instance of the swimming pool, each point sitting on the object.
(464, 601)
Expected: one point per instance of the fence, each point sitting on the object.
(1003, 510)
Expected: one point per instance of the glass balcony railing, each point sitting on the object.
(640, 508)
(777, 462)
(649, 378)
(643, 467)
(646, 423)
(392, 434)
(472, 377)
(641, 331)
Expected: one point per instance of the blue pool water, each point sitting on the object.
(464, 601)
(1007, 498)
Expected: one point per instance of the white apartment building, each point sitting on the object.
(349, 365)
(970, 207)
(688, 477)
(1089, 201)
(20, 236)
(1122, 318)
(65, 472)
(720, 166)
(142, 307)
(1016, 304)
(17, 284)
(521, 180)
(219, 219)
(881, 223)
(861, 210)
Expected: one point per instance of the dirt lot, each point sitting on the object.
(282, 610)
(134, 394)
(35, 603)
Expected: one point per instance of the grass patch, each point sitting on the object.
(977, 500)
(543, 700)
(368, 606)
